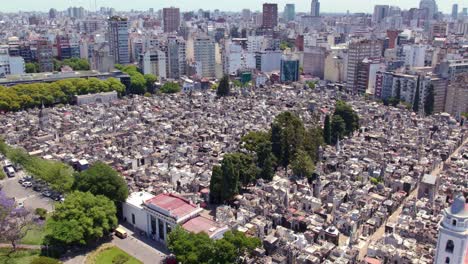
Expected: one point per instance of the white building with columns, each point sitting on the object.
(452, 244)
(157, 215)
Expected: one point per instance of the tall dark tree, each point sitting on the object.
(416, 97)
(348, 115)
(338, 128)
(223, 87)
(429, 101)
(327, 135)
(215, 184)
(302, 165)
(265, 161)
(398, 90)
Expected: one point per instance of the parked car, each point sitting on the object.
(47, 193)
(27, 184)
(20, 204)
(120, 232)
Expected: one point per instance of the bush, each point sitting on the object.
(41, 212)
(170, 88)
(45, 260)
(120, 259)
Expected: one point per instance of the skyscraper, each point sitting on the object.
(431, 7)
(118, 39)
(270, 15)
(315, 8)
(455, 11)
(171, 19)
(380, 12)
(289, 12)
(45, 55)
(204, 54)
(358, 51)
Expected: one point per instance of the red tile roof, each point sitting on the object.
(201, 224)
(177, 206)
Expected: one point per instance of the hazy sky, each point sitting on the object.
(234, 5)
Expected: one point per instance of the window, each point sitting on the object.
(450, 246)
(454, 222)
(447, 260)
(133, 219)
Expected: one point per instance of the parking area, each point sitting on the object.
(26, 196)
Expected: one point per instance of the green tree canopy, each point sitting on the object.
(150, 80)
(31, 67)
(76, 64)
(348, 115)
(101, 179)
(138, 83)
(170, 88)
(192, 248)
(302, 165)
(287, 136)
(81, 218)
(338, 128)
(253, 139)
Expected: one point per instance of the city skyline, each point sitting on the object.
(186, 5)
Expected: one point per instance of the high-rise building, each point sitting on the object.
(52, 13)
(430, 6)
(76, 12)
(358, 51)
(176, 57)
(456, 99)
(246, 14)
(314, 61)
(453, 233)
(270, 15)
(455, 11)
(289, 69)
(380, 12)
(171, 19)
(315, 8)
(289, 12)
(118, 39)
(204, 55)
(45, 55)
(153, 62)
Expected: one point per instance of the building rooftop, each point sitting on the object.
(175, 205)
(201, 224)
(138, 198)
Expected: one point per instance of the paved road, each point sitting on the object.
(378, 234)
(141, 248)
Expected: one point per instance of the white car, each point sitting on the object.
(27, 184)
(20, 204)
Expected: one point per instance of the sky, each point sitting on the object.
(335, 6)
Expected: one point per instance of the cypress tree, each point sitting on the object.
(416, 98)
(327, 135)
(429, 100)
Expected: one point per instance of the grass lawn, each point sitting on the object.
(34, 236)
(107, 255)
(21, 256)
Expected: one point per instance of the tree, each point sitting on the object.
(81, 218)
(338, 128)
(170, 88)
(429, 101)
(101, 179)
(398, 91)
(266, 161)
(215, 184)
(253, 139)
(302, 165)
(313, 139)
(190, 248)
(327, 135)
(31, 67)
(416, 98)
(41, 212)
(14, 222)
(223, 87)
(287, 136)
(150, 80)
(348, 115)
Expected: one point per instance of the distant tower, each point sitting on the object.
(315, 8)
(455, 11)
(43, 118)
(452, 244)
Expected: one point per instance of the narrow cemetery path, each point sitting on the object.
(378, 234)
